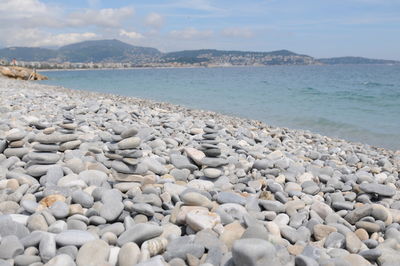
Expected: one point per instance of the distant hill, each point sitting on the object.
(105, 51)
(280, 57)
(83, 52)
(116, 52)
(347, 60)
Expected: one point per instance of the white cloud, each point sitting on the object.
(154, 20)
(237, 32)
(107, 17)
(130, 34)
(35, 37)
(191, 33)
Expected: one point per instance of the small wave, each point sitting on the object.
(376, 84)
(310, 91)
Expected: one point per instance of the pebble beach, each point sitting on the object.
(97, 179)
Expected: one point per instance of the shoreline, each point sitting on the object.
(138, 181)
(200, 112)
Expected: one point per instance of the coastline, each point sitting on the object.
(151, 182)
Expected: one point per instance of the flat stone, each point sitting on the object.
(74, 238)
(129, 143)
(353, 243)
(129, 132)
(381, 190)
(230, 197)
(182, 162)
(18, 152)
(139, 233)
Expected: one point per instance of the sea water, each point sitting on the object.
(355, 102)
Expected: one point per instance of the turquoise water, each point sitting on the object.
(356, 102)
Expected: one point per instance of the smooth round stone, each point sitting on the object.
(61, 260)
(73, 224)
(15, 135)
(59, 209)
(124, 168)
(180, 174)
(128, 254)
(212, 172)
(143, 208)
(44, 157)
(115, 228)
(18, 152)
(93, 253)
(253, 252)
(82, 198)
(368, 226)
(196, 199)
(10, 247)
(37, 222)
(129, 143)
(74, 238)
(93, 177)
(139, 233)
(16, 144)
(111, 210)
(129, 132)
(70, 145)
(47, 247)
(71, 251)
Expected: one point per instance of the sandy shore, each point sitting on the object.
(98, 179)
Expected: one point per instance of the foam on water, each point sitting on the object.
(355, 102)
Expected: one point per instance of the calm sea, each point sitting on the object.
(355, 102)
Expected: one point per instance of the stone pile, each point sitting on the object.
(122, 181)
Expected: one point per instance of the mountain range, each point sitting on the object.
(115, 51)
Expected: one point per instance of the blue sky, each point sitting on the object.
(320, 28)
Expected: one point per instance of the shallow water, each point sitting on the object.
(355, 102)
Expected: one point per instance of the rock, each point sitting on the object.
(111, 210)
(232, 232)
(302, 260)
(181, 246)
(379, 189)
(129, 254)
(199, 220)
(129, 143)
(334, 240)
(353, 243)
(253, 251)
(182, 162)
(10, 247)
(196, 199)
(212, 172)
(47, 247)
(321, 231)
(194, 154)
(61, 260)
(94, 253)
(37, 222)
(82, 198)
(59, 209)
(74, 238)
(139, 233)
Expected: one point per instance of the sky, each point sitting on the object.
(320, 28)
